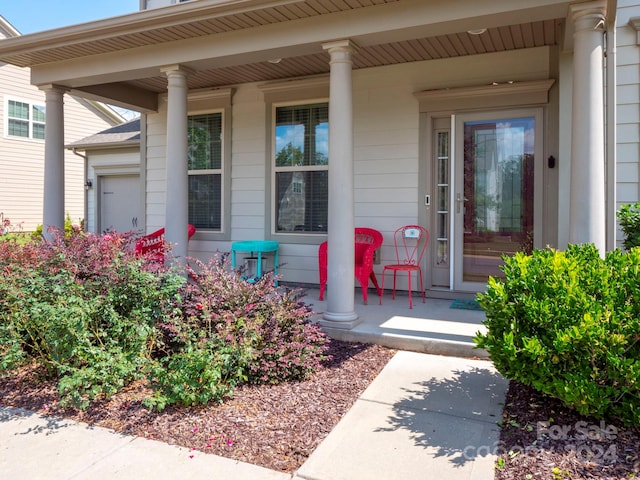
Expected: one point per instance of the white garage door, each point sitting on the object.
(120, 203)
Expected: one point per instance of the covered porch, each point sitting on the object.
(374, 66)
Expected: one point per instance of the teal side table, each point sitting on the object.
(256, 247)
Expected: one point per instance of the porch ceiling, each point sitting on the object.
(90, 59)
(513, 37)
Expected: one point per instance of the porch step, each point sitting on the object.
(422, 343)
(432, 327)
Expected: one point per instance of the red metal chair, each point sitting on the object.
(367, 240)
(152, 245)
(410, 243)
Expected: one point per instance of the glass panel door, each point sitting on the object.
(494, 195)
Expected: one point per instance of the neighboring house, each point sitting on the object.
(114, 196)
(22, 144)
(499, 125)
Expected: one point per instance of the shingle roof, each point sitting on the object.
(120, 135)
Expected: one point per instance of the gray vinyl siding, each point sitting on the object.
(628, 107)
(22, 160)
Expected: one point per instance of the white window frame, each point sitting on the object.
(215, 171)
(303, 168)
(30, 120)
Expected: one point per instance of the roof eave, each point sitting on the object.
(8, 28)
(136, 22)
(103, 146)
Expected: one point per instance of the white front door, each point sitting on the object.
(119, 208)
(495, 205)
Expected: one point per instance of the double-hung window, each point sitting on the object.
(301, 168)
(25, 119)
(205, 171)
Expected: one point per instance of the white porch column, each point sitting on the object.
(177, 196)
(340, 266)
(53, 193)
(587, 212)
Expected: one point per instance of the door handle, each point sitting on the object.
(459, 201)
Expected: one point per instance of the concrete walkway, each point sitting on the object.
(35, 447)
(424, 417)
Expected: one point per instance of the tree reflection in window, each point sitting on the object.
(301, 168)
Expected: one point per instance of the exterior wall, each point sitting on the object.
(565, 80)
(155, 179)
(628, 108)
(107, 162)
(386, 152)
(22, 160)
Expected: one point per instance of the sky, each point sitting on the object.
(29, 16)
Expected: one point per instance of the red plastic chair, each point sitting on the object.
(367, 240)
(152, 245)
(410, 243)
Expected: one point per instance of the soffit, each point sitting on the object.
(206, 18)
(169, 24)
(513, 37)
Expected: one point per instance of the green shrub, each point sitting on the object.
(197, 375)
(17, 237)
(83, 308)
(96, 317)
(568, 324)
(629, 219)
(70, 228)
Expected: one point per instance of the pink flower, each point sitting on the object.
(195, 430)
(229, 442)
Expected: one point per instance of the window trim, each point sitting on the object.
(31, 121)
(214, 171)
(302, 237)
(202, 102)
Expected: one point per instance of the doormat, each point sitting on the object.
(465, 304)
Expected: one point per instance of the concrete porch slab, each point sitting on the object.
(431, 327)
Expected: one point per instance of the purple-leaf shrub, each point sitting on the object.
(271, 322)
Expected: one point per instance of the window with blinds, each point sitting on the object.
(205, 171)
(301, 168)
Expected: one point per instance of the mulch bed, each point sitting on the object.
(278, 426)
(274, 426)
(542, 439)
